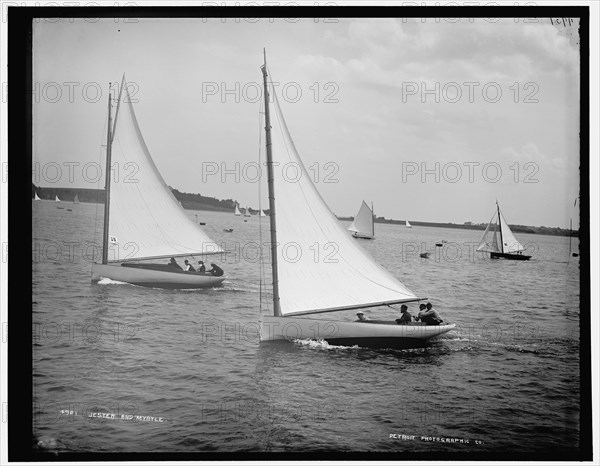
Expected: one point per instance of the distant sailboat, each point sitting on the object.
(503, 244)
(56, 199)
(237, 211)
(262, 213)
(247, 213)
(37, 197)
(343, 276)
(363, 225)
(143, 220)
(408, 225)
(76, 200)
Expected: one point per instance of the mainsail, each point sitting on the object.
(145, 220)
(509, 242)
(237, 211)
(408, 225)
(56, 199)
(363, 222)
(319, 266)
(37, 197)
(76, 199)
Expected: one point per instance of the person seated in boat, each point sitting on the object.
(216, 270)
(406, 316)
(361, 317)
(429, 315)
(189, 267)
(202, 268)
(173, 263)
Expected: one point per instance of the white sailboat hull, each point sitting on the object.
(364, 334)
(154, 278)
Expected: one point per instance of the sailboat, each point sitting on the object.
(262, 213)
(237, 211)
(56, 199)
(143, 219)
(317, 267)
(503, 244)
(247, 213)
(408, 225)
(76, 199)
(363, 225)
(36, 198)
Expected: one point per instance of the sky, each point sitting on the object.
(429, 120)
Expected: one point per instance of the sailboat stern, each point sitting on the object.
(378, 334)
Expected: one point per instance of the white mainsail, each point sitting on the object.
(509, 242)
(145, 219)
(237, 211)
(37, 197)
(408, 225)
(319, 265)
(76, 199)
(363, 222)
(262, 213)
(56, 199)
(247, 214)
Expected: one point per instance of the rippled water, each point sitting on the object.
(506, 380)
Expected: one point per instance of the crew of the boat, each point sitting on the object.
(215, 270)
(427, 315)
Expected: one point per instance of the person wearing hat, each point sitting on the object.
(429, 315)
(202, 268)
(422, 309)
(406, 316)
(189, 267)
(216, 270)
(361, 317)
(173, 263)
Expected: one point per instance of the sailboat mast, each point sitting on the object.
(372, 219)
(107, 185)
(276, 303)
(500, 224)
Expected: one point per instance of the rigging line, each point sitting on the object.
(285, 132)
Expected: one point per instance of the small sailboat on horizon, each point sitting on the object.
(76, 199)
(144, 220)
(363, 225)
(247, 213)
(36, 198)
(237, 212)
(341, 276)
(503, 244)
(408, 225)
(56, 199)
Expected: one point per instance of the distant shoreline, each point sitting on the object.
(199, 202)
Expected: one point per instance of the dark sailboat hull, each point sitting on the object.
(505, 255)
(357, 234)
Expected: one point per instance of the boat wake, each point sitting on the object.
(108, 281)
(321, 344)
